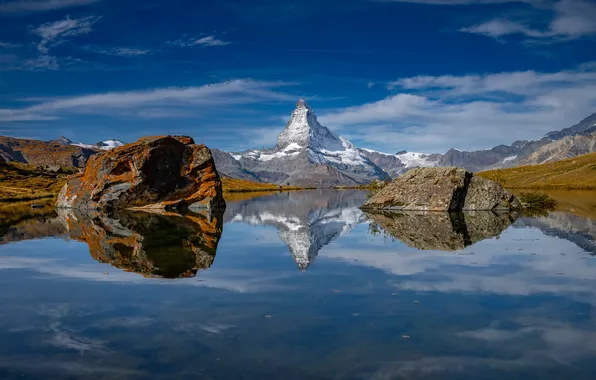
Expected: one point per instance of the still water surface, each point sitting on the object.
(298, 285)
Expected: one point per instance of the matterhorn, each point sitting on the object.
(306, 154)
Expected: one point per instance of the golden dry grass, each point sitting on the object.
(577, 202)
(574, 173)
(233, 185)
(21, 182)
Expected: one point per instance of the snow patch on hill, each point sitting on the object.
(104, 145)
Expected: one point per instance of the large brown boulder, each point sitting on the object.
(442, 189)
(165, 172)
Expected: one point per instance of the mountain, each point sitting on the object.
(306, 154)
(566, 147)
(401, 162)
(580, 128)
(569, 142)
(59, 152)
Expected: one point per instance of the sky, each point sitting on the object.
(420, 75)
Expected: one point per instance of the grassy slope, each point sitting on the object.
(232, 185)
(573, 173)
(20, 182)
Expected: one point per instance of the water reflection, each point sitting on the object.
(520, 306)
(577, 229)
(306, 221)
(440, 230)
(21, 221)
(163, 245)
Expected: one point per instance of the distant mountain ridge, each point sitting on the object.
(578, 139)
(308, 153)
(59, 152)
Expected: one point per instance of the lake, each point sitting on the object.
(299, 285)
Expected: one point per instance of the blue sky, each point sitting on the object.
(421, 75)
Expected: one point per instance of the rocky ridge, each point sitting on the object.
(58, 152)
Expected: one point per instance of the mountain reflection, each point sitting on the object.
(306, 220)
(438, 230)
(577, 229)
(155, 245)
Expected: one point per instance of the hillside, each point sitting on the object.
(45, 153)
(20, 182)
(233, 185)
(573, 173)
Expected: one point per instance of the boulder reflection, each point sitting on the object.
(165, 245)
(438, 230)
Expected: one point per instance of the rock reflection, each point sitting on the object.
(438, 230)
(165, 245)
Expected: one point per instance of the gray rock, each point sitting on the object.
(53, 169)
(484, 194)
(442, 189)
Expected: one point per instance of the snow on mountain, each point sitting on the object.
(396, 164)
(104, 145)
(306, 153)
(414, 159)
(110, 144)
(304, 130)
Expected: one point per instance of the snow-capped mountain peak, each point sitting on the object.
(305, 130)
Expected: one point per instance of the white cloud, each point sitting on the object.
(8, 45)
(133, 103)
(40, 5)
(502, 27)
(435, 113)
(571, 19)
(55, 33)
(211, 41)
(119, 51)
(207, 41)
